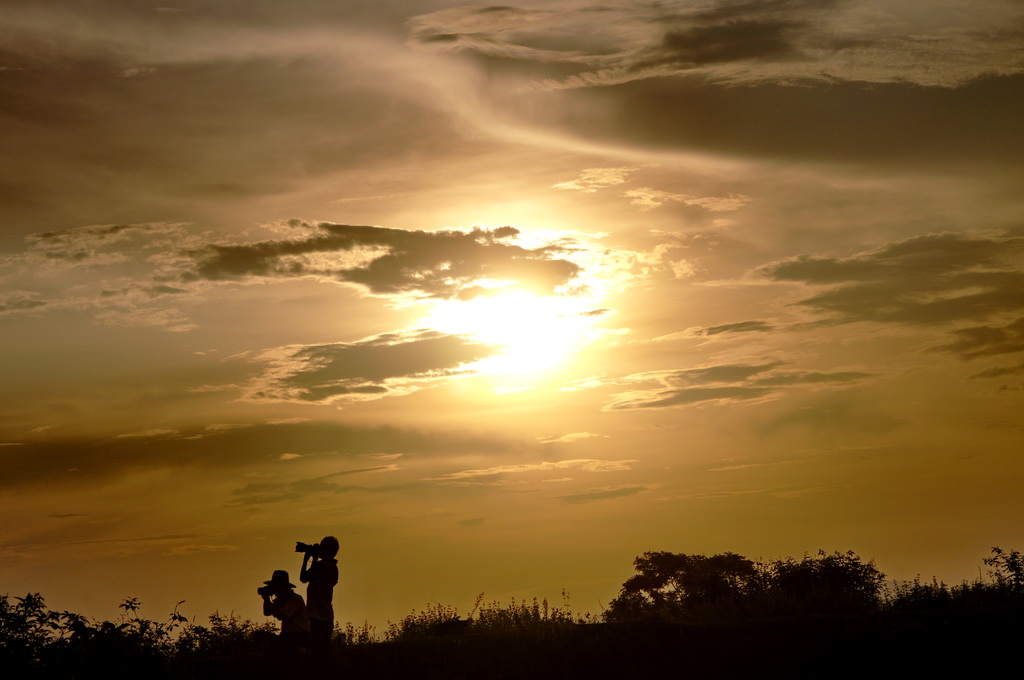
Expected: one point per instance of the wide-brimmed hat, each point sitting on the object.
(280, 578)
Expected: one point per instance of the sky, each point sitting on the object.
(503, 296)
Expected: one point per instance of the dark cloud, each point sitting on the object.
(687, 396)
(739, 327)
(605, 494)
(83, 243)
(725, 383)
(789, 79)
(134, 98)
(727, 373)
(158, 290)
(276, 492)
(736, 40)
(20, 301)
(998, 372)
(48, 539)
(731, 10)
(87, 460)
(718, 33)
(930, 279)
(983, 341)
(849, 121)
(381, 365)
(440, 264)
(841, 417)
(812, 378)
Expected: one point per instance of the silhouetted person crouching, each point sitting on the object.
(282, 602)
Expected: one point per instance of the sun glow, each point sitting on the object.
(535, 334)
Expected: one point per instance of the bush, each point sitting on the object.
(1003, 594)
(825, 583)
(677, 586)
(669, 584)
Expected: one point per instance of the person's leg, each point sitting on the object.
(320, 634)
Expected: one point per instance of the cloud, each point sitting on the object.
(730, 468)
(97, 244)
(123, 273)
(986, 341)
(924, 280)
(258, 493)
(312, 89)
(842, 80)
(584, 464)
(20, 301)
(723, 383)
(685, 397)
(568, 438)
(592, 179)
(734, 41)
(148, 434)
(811, 378)
(200, 549)
(837, 418)
(98, 541)
(648, 199)
(998, 372)
(739, 327)
(715, 374)
(604, 494)
(151, 274)
(440, 264)
(384, 365)
(89, 460)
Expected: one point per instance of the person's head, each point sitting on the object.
(279, 583)
(329, 546)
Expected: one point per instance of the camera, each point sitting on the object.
(265, 591)
(313, 550)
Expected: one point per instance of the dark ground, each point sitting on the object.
(837, 647)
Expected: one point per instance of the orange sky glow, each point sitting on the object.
(503, 297)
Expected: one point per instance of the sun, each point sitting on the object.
(534, 333)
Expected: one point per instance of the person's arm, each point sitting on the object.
(268, 606)
(291, 608)
(308, 572)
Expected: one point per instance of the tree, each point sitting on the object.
(1008, 569)
(667, 584)
(825, 582)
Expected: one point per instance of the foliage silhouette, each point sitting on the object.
(668, 583)
(673, 586)
(825, 583)
(678, 609)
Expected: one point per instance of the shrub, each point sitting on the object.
(824, 583)
(674, 586)
(669, 584)
(28, 627)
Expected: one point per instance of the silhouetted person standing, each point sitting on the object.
(282, 602)
(320, 571)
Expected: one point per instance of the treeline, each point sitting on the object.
(674, 586)
(695, 607)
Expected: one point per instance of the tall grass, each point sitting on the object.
(534, 617)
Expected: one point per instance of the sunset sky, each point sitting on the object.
(503, 297)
